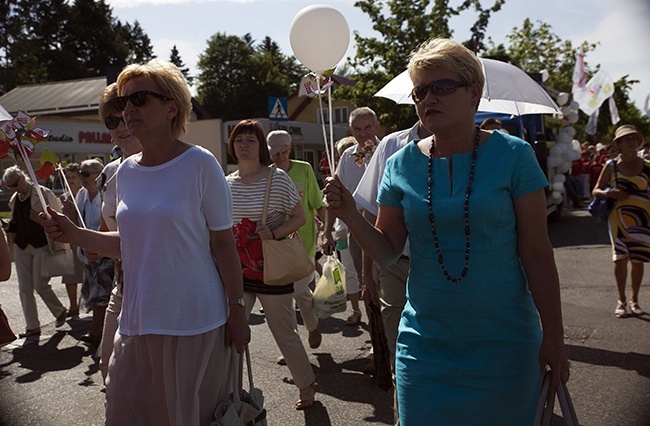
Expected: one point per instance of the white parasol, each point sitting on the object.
(507, 90)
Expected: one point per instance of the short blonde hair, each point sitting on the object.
(449, 55)
(170, 81)
(106, 106)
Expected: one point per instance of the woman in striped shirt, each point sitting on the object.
(247, 145)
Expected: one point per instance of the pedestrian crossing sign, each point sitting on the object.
(278, 109)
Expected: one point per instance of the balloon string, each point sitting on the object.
(30, 169)
(68, 190)
(329, 98)
(329, 153)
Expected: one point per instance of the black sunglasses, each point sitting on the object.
(15, 184)
(137, 99)
(86, 174)
(112, 121)
(442, 87)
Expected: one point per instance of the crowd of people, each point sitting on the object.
(430, 222)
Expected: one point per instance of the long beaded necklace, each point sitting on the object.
(432, 221)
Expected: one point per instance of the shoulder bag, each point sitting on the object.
(600, 208)
(285, 260)
(6, 334)
(547, 401)
(57, 264)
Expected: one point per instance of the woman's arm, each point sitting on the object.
(5, 258)
(385, 241)
(599, 190)
(296, 220)
(224, 253)
(59, 228)
(536, 254)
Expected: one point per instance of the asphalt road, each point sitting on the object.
(55, 381)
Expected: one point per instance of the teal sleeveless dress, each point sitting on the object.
(467, 352)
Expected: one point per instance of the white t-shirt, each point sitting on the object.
(164, 215)
(368, 187)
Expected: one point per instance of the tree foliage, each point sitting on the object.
(403, 25)
(55, 40)
(534, 47)
(175, 58)
(237, 76)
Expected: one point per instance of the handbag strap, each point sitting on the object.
(235, 373)
(266, 196)
(248, 367)
(546, 402)
(615, 172)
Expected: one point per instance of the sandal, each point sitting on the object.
(621, 310)
(354, 319)
(635, 309)
(32, 332)
(307, 397)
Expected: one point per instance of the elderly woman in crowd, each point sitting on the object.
(181, 307)
(72, 281)
(30, 246)
(626, 179)
(247, 145)
(470, 349)
(107, 186)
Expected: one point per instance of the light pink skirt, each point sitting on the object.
(167, 380)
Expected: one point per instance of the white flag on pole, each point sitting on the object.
(579, 77)
(596, 91)
(613, 111)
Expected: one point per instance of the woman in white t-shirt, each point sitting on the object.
(247, 145)
(182, 306)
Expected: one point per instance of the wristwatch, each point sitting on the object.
(237, 301)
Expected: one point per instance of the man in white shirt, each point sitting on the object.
(350, 169)
(391, 292)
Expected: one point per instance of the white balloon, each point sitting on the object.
(565, 111)
(576, 145)
(558, 186)
(563, 138)
(319, 37)
(559, 178)
(576, 155)
(555, 151)
(562, 98)
(573, 117)
(574, 106)
(564, 167)
(556, 197)
(569, 130)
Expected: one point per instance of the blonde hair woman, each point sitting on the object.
(181, 307)
(482, 274)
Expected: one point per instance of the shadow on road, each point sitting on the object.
(631, 361)
(578, 228)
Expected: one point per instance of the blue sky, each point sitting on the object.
(622, 27)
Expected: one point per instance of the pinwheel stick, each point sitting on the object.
(32, 175)
(68, 190)
(329, 148)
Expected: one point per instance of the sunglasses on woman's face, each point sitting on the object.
(137, 99)
(15, 184)
(86, 174)
(443, 87)
(111, 122)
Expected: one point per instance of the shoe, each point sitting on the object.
(32, 332)
(354, 319)
(621, 310)
(281, 360)
(307, 397)
(315, 338)
(60, 320)
(635, 309)
(92, 340)
(369, 367)
(72, 313)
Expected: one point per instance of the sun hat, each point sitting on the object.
(277, 139)
(624, 130)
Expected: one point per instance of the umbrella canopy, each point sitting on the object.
(507, 90)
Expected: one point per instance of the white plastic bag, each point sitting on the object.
(330, 296)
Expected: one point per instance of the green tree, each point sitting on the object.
(55, 40)
(403, 25)
(175, 58)
(237, 77)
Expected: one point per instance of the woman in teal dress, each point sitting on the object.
(470, 349)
